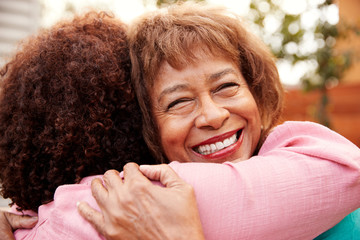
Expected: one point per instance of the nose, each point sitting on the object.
(211, 115)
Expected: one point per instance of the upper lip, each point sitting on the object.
(217, 138)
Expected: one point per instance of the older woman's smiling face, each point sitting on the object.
(205, 112)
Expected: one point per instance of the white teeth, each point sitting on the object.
(227, 142)
(219, 145)
(214, 147)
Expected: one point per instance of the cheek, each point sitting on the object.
(255, 121)
(252, 109)
(246, 107)
(172, 133)
(168, 135)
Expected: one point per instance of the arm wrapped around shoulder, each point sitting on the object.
(305, 179)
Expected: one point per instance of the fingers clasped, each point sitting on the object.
(135, 208)
(117, 198)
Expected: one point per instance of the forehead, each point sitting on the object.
(192, 60)
(185, 57)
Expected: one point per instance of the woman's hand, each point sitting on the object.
(135, 208)
(10, 222)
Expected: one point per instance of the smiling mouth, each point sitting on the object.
(207, 149)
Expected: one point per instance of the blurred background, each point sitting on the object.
(316, 43)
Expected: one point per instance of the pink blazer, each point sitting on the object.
(305, 179)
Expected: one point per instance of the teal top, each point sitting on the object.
(347, 229)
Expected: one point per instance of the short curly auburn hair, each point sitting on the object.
(67, 110)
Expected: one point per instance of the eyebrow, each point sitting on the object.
(172, 89)
(218, 75)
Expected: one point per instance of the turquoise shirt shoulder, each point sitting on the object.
(347, 229)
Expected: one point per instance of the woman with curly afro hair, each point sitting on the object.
(67, 110)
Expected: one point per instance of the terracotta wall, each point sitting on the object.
(343, 109)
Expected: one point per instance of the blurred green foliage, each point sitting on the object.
(329, 64)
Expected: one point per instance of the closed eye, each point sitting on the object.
(226, 85)
(177, 102)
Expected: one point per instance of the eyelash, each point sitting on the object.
(172, 104)
(226, 85)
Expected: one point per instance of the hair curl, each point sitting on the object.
(67, 109)
(171, 34)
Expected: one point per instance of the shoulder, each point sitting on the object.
(295, 128)
(309, 137)
(60, 219)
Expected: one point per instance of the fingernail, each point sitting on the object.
(144, 167)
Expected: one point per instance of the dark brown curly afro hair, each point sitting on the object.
(67, 110)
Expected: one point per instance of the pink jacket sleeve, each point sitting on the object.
(305, 179)
(59, 219)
